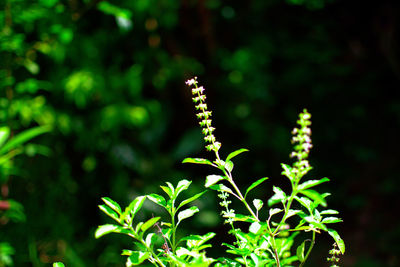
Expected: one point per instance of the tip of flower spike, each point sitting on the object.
(191, 81)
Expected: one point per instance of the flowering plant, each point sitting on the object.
(268, 238)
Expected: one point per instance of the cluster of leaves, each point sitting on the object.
(172, 251)
(11, 209)
(265, 241)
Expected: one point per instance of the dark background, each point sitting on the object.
(109, 78)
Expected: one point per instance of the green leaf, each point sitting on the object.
(314, 195)
(187, 213)
(300, 251)
(116, 11)
(221, 187)
(149, 224)
(126, 252)
(4, 134)
(167, 190)
(135, 206)
(312, 183)
(287, 171)
(235, 153)
(137, 258)
(182, 185)
(253, 185)
(105, 229)
(159, 200)
(258, 203)
(331, 220)
(339, 241)
(23, 137)
(112, 204)
(329, 212)
(279, 196)
(193, 198)
(311, 220)
(305, 202)
(279, 193)
(274, 211)
(195, 241)
(197, 161)
(110, 212)
(138, 226)
(151, 239)
(228, 165)
(292, 212)
(254, 227)
(58, 264)
(243, 218)
(171, 187)
(212, 179)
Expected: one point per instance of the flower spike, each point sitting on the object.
(302, 140)
(203, 115)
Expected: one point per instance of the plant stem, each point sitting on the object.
(173, 211)
(239, 194)
(309, 250)
(149, 249)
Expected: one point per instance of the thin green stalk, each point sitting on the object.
(153, 254)
(241, 198)
(173, 225)
(148, 248)
(309, 249)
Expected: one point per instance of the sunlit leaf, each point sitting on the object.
(314, 195)
(58, 264)
(274, 211)
(159, 200)
(254, 227)
(300, 251)
(253, 185)
(193, 198)
(23, 137)
(228, 165)
(126, 252)
(235, 153)
(149, 224)
(4, 134)
(312, 183)
(221, 187)
(110, 212)
(305, 202)
(287, 171)
(167, 190)
(258, 203)
(197, 161)
(339, 241)
(112, 204)
(329, 212)
(292, 212)
(212, 179)
(182, 185)
(105, 229)
(135, 206)
(311, 220)
(137, 257)
(331, 220)
(279, 196)
(187, 213)
(243, 218)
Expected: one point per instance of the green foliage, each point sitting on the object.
(172, 251)
(267, 242)
(106, 76)
(9, 208)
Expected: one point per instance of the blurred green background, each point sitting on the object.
(108, 77)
